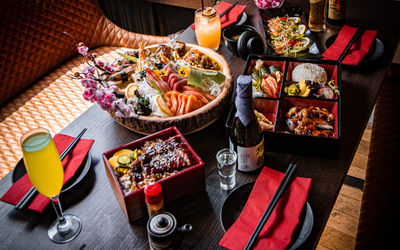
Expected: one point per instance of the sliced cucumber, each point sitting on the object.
(134, 155)
(124, 159)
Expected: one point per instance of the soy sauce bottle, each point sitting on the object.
(246, 137)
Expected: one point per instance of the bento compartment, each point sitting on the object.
(330, 69)
(268, 108)
(312, 80)
(267, 77)
(308, 117)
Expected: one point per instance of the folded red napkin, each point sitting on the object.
(71, 163)
(357, 52)
(277, 232)
(229, 18)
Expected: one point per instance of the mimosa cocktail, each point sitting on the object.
(208, 28)
(46, 173)
(43, 164)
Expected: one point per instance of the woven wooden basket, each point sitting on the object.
(190, 122)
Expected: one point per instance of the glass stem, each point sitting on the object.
(63, 225)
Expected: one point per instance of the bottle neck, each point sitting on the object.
(245, 110)
(244, 100)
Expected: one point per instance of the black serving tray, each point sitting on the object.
(279, 141)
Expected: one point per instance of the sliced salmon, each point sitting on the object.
(199, 96)
(273, 85)
(208, 96)
(183, 100)
(192, 104)
(174, 101)
(266, 88)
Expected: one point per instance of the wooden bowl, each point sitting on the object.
(193, 121)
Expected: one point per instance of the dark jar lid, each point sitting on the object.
(153, 194)
(161, 227)
(250, 42)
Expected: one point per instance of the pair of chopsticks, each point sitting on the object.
(268, 211)
(228, 9)
(355, 37)
(32, 192)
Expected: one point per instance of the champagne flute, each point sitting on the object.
(46, 173)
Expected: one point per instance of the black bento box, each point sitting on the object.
(275, 109)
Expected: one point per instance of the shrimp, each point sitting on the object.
(143, 58)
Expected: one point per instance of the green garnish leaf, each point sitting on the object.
(131, 58)
(201, 79)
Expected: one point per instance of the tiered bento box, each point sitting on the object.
(279, 139)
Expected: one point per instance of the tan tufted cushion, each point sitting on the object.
(32, 40)
(32, 44)
(53, 102)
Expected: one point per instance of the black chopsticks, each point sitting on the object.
(228, 9)
(278, 193)
(355, 37)
(32, 192)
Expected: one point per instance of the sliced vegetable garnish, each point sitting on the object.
(198, 78)
(131, 58)
(134, 155)
(332, 85)
(124, 159)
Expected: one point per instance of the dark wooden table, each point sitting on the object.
(104, 225)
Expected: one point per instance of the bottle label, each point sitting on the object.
(250, 158)
(336, 9)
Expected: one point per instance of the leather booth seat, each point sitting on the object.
(379, 215)
(36, 59)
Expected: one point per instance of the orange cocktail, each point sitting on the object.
(208, 28)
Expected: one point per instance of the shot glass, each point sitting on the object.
(227, 168)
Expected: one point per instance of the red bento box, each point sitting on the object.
(186, 182)
(279, 139)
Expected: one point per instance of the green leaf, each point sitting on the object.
(197, 78)
(131, 58)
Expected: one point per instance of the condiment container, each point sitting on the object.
(163, 231)
(154, 198)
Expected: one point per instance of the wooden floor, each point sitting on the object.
(341, 229)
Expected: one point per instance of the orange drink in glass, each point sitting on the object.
(208, 28)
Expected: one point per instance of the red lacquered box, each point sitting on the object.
(186, 182)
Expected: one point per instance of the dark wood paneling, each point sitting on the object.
(146, 17)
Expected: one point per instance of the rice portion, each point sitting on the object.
(309, 71)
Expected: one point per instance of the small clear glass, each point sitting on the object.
(227, 168)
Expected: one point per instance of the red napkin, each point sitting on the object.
(277, 232)
(359, 49)
(71, 163)
(229, 18)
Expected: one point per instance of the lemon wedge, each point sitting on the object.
(124, 151)
(302, 87)
(162, 106)
(302, 29)
(113, 162)
(306, 42)
(306, 93)
(295, 19)
(130, 90)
